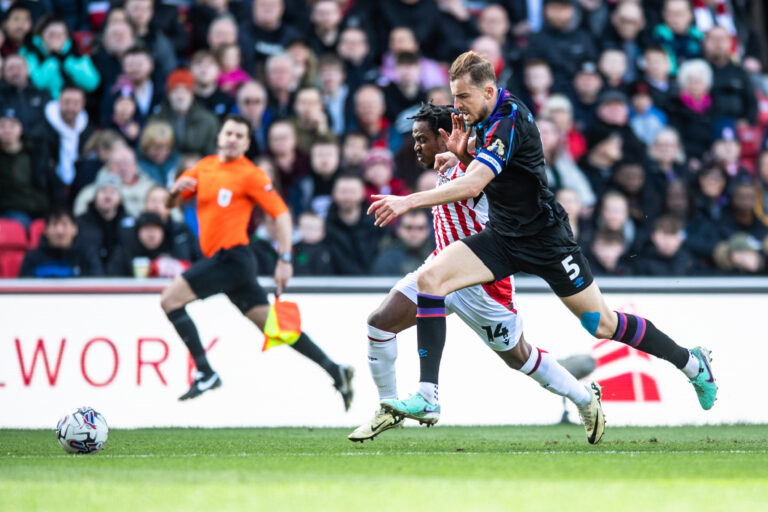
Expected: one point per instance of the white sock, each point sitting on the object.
(429, 391)
(691, 368)
(382, 353)
(544, 369)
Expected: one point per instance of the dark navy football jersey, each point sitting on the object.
(508, 142)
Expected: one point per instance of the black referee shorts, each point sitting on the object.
(230, 271)
(551, 254)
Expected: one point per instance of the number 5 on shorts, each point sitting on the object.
(571, 268)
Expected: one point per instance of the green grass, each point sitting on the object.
(712, 468)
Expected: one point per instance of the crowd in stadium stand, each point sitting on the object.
(652, 115)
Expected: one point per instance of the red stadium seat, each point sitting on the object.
(10, 263)
(36, 230)
(12, 235)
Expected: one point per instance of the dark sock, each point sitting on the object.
(641, 334)
(188, 332)
(430, 325)
(307, 348)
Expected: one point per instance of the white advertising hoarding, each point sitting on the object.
(120, 354)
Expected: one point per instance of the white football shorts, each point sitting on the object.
(488, 309)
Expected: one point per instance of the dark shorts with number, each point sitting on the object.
(551, 254)
(232, 272)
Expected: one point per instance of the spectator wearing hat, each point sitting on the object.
(68, 128)
(740, 255)
(59, 253)
(147, 240)
(691, 112)
(54, 60)
(561, 42)
(613, 112)
(18, 93)
(194, 127)
(645, 118)
(726, 151)
(731, 84)
(28, 183)
(379, 175)
(134, 184)
(604, 150)
(587, 84)
(99, 227)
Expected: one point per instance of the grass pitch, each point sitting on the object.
(711, 468)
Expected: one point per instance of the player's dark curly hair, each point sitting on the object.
(436, 116)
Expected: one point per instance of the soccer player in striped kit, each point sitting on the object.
(488, 309)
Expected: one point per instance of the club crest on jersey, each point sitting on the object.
(225, 197)
(497, 148)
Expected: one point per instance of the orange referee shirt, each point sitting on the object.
(226, 193)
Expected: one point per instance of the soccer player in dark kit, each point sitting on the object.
(527, 231)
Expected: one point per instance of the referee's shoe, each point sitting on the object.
(203, 382)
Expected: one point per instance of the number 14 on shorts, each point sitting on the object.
(500, 331)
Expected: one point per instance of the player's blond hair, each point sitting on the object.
(479, 68)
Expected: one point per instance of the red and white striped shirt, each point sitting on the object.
(460, 219)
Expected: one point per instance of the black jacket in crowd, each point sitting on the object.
(46, 261)
(353, 247)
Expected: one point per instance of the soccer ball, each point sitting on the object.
(83, 431)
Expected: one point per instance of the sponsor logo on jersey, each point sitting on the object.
(497, 148)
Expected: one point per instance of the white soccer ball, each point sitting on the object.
(83, 431)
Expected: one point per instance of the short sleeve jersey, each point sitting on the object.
(226, 194)
(519, 200)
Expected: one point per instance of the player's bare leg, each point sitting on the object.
(173, 300)
(341, 375)
(603, 323)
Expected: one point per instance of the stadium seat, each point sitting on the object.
(36, 230)
(12, 235)
(10, 263)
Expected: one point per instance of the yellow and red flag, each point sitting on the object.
(283, 325)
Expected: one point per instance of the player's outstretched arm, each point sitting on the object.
(388, 208)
